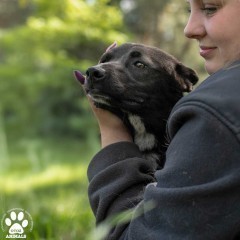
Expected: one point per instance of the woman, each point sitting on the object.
(197, 193)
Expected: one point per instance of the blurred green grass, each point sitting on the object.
(47, 178)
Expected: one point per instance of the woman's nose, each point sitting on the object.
(195, 27)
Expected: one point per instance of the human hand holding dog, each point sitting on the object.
(112, 129)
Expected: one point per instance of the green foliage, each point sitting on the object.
(37, 88)
(47, 178)
(39, 97)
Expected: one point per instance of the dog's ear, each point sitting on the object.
(113, 45)
(186, 77)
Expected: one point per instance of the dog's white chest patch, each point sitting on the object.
(144, 140)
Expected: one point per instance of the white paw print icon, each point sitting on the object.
(16, 223)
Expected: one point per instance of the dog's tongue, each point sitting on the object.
(79, 76)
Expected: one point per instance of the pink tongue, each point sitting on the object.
(78, 75)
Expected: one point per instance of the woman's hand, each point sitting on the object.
(111, 127)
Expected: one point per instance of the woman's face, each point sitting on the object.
(215, 24)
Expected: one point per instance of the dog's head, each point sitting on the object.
(134, 76)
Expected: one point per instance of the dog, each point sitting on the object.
(140, 84)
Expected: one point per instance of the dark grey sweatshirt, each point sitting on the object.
(197, 193)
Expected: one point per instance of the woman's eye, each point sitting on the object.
(209, 10)
(140, 65)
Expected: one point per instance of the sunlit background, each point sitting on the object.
(47, 131)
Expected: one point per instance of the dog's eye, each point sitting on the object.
(139, 64)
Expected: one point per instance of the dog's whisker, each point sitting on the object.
(100, 99)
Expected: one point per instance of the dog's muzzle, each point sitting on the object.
(94, 85)
(96, 74)
(99, 86)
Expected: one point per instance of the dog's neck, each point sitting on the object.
(151, 146)
(144, 140)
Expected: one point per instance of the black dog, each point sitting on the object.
(140, 84)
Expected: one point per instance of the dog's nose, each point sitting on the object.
(95, 73)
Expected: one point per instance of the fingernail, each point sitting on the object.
(79, 76)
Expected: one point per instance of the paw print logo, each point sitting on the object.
(16, 222)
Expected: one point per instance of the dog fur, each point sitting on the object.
(140, 84)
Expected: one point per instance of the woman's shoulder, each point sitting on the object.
(219, 94)
(219, 89)
(223, 81)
